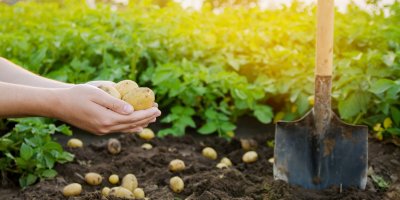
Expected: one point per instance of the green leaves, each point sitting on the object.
(263, 113)
(354, 104)
(26, 152)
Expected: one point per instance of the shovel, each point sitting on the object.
(319, 151)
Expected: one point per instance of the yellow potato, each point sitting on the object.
(248, 144)
(138, 193)
(250, 156)
(93, 178)
(222, 165)
(147, 134)
(147, 146)
(226, 161)
(140, 98)
(110, 90)
(121, 192)
(129, 182)
(114, 146)
(113, 179)
(176, 165)
(210, 153)
(176, 184)
(73, 189)
(105, 191)
(74, 143)
(125, 86)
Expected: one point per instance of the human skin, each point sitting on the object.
(83, 105)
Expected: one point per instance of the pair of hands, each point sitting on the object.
(90, 108)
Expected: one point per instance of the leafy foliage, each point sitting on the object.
(30, 152)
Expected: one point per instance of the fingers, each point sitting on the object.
(114, 104)
(139, 115)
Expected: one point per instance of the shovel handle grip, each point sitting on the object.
(324, 57)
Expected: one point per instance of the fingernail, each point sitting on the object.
(128, 108)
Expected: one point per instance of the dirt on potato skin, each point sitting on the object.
(203, 181)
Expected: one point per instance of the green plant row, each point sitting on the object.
(209, 68)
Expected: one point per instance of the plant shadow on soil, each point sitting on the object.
(202, 179)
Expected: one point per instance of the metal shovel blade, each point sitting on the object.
(337, 157)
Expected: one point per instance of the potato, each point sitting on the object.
(114, 146)
(129, 182)
(250, 156)
(110, 90)
(121, 192)
(248, 144)
(271, 160)
(105, 191)
(146, 134)
(125, 86)
(222, 165)
(176, 184)
(73, 189)
(147, 146)
(176, 165)
(140, 98)
(93, 178)
(138, 193)
(226, 161)
(113, 179)
(210, 153)
(74, 143)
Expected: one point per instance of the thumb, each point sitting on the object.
(114, 104)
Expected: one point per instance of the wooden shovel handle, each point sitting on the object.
(324, 57)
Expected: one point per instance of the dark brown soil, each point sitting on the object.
(203, 181)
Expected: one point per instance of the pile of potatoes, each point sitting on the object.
(140, 98)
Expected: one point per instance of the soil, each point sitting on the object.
(203, 181)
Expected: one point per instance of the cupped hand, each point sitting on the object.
(89, 108)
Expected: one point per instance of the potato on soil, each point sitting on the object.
(140, 98)
(147, 146)
(129, 182)
(248, 144)
(74, 143)
(105, 191)
(250, 156)
(176, 184)
(72, 189)
(113, 179)
(110, 90)
(114, 146)
(226, 161)
(146, 134)
(138, 193)
(210, 153)
(121, 192)
(93, 178)
(125, 86)
(176, 165)
(222, 165)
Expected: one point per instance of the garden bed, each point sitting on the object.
(202, 179)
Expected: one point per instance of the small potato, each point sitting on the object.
(121, 192)
(226, 161)
(176, 184)
(248, 144)
(146, 134)
(110, 90)
(147, 146)
(138, 193)
(74, 143)
(222, 165)
(73, 189)
(125, 86)
(271, 160)
(113, 179)
(129, 182)
(114, 146)
(210, 153)
(105, 191)
(140, 98)
(176, 165)
(93, 178)
(250, 156)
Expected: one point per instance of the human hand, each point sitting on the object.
(92, 109)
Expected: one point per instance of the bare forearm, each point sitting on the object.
(20, 101)
(12, 73)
